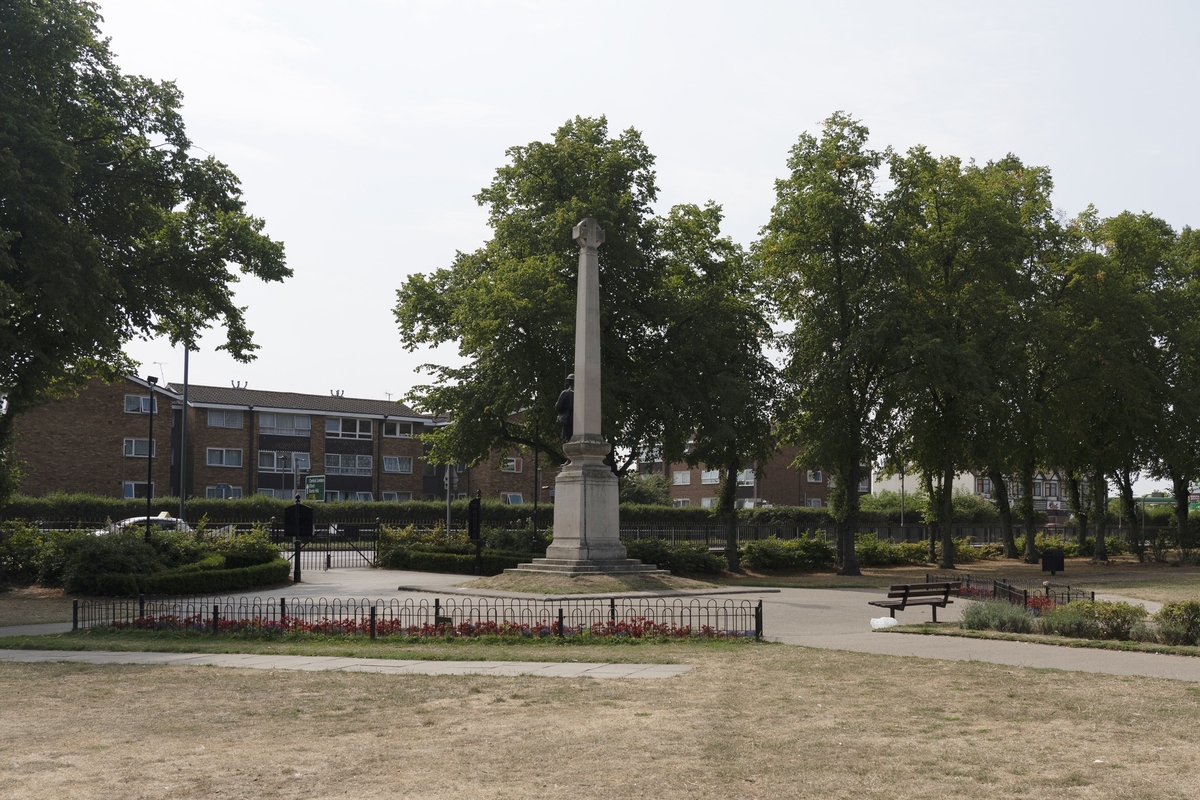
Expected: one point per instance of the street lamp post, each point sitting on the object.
(150, 455)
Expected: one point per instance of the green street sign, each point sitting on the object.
(314, 488)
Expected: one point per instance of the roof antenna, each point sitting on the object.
(160, 370)
(335, 392)
(389, 396)
(239, 384)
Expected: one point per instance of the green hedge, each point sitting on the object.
(687, 559)
(804, 553)
(187, 581)
(460, 563)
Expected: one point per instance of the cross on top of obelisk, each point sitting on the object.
(588, 233)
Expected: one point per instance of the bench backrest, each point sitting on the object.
(914, 590)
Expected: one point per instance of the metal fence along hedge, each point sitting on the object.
(456, 617)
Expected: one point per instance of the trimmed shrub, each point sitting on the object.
(22, 548)
(1092, 619)
(1179, 622)
(516, 540)
(803, 553)
(873, 552)
(247, 549)
(93, 563)
(680, 558)
(997, 615)
(215, 581)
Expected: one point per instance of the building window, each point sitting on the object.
(401, 464)
(1037, 488)
(281, 461)
(401, 430)
(343, 464)
(284, 424)
(815, 476)
(864, 485)
(683, 478)
(512, 465)
(710, 476)
(983, 486)
(512, 498)
(347, 428)
(222, 491)
(746, 477)
(813, 502)
(136, 404)
(134, 490)
(223, 457)
(1052, 489)
(397, 497)
(137, 448)
(708, 502)
(224, 418)
(364, 496)
(681, 502)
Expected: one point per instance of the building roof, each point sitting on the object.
(292, 401)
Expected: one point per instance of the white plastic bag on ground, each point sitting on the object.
(883, 622)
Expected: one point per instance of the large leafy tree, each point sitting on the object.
(510, 305)
(109, 227)
(830, 256)
(719, 328)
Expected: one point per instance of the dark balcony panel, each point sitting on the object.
(287, 444)
(348, 483)
(359, 447)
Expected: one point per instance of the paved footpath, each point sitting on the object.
(836, 619)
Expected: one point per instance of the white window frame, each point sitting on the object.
(301, 460)
(397, 497)
(349, 464)
(210, 493)
(130, 448)
(224, 458)
(363, 428)
(279, 424)
(364, 497)
(812, 502)
(710, 476)
(681, 502)
(708, 502)
(746, 477)
(399, 428)
(682, 478)
(512, 464)
(225, 418)
(129, 490)
(399, 464)
(815, 476)
(142, 402)
(509, 501)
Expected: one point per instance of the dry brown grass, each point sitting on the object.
(548, 584)
(34, 605)
(770, 722)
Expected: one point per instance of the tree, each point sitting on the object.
(645, 489)
(109, 228)
(719, 328)
(829, 255)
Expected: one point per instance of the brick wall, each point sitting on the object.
(76, 444)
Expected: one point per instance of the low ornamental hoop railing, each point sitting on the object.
(1035, 596)
(460, 617)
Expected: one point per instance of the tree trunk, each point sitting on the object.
(947, 561)
(1180, 485)
(848, 485)
(1100, 509)
(1129, 513)
(1025, 502)
(728, 510)
(1000, 493)
(932, 513)
(1078, 507)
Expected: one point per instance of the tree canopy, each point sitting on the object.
(109, 228)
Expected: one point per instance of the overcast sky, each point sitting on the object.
(362, 130)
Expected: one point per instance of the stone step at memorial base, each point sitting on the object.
(567, 566)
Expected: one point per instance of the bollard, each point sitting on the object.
(758, 621)
(283, 613)
(296, 560)
(612, 611)
(562, 632)
(372, 621)
(216, 618)
(141, 606)
(74, 615)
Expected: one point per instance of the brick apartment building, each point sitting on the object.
(243, 441)
(780, 484)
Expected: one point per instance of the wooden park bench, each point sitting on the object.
(903, 595)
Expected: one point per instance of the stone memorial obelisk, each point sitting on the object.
(586, 500)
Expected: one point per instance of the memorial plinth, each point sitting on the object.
(586, 499)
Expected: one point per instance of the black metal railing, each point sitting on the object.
(633, 617)
(1038, 596)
